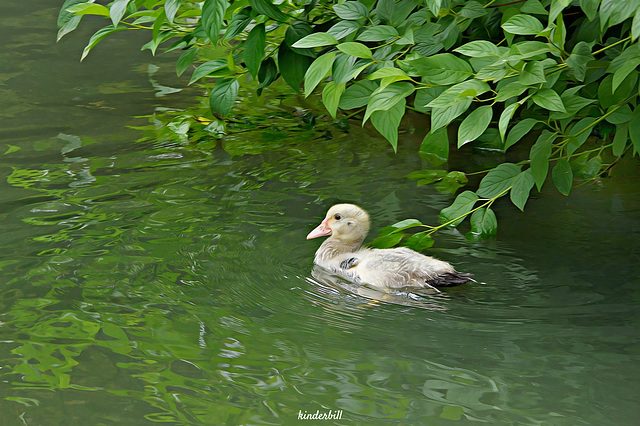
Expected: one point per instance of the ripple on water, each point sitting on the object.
(178, 286)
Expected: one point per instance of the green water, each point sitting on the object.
(146, 281)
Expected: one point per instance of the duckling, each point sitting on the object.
(342, 253)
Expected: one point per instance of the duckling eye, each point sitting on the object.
(337, 216)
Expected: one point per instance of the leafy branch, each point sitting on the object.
(521, 76)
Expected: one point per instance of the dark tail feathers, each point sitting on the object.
(450, 279)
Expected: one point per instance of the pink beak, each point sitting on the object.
(320, 231)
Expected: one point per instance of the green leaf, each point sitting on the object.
(254, 49)
(523, 25)
(634, 131)
(424, 96)
(441, 117)
(292, 66)
(520, 189)
(496, 71)
(207, 68)
(331, 97)
(479, 63)
(635, 26)
(89, 8)
(484, 223)
(429, 48)
(622, 72)
(510, 90)
(185, 60)
(474, 124)
(343, 29)
(239, 22)
(505, 118)
(267, 8)
(171, 8)
(518, 131)
(435, 6)
(296, 31)
(460, 93)
(159, 35)
(402, 10)
(540, 152)
(490, 140)
(212, 16)
(613, 12)
(457, 211)
(387, 241)
(443, 68)
(358, 50)
(315, 40)
(68, 21)
(116, 11)
(317, 72)
(267, 74)
(580, 56)
(223, 96)
(420, 241)
(435, 147)
(343, 68)
(528, 49)
(359, 67)
(534, 7)
(383, 100)
(573, 104)
(532, 73)
(498, 180)
(607, 98)
(562, 176)
(620, 139)
(387, 122)
(98, 36)
(557, 6)
(548, 99)
(351, 10)
(479, 49)
(579, 134)
(357, 95)
(378, 33)
(384, 10)
(590, 8)
(473, 9)
(406, 39)
(388, 72)
(399, 226)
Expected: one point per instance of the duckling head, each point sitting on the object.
(347, 223)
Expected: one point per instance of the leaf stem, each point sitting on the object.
(488, 203)
(611, 45)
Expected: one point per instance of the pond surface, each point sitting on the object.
(146, 281)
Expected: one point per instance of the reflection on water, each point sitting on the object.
(147, 281)
(329, 283)
(178, 287)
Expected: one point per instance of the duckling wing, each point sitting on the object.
(402, 267)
